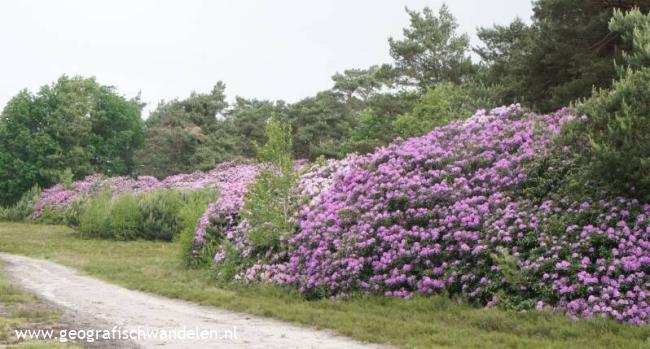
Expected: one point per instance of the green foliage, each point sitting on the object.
(613, 142)
(279, 146)
(431, 51)
(159, 214)
(371, 130)
(634, 29)
(374, 125)
(506, 53)
(156, 215)
(616, 135)
(75, 124)
(201, 131)
(22, 209)
(70, 215)
(268, 209)
(189, 215)
(94, 216)
(566, 51)
(249, 119)
(357, 86)
(320, 124)
(125, 217)
(179, 135)
(66, 178)
(440, 105)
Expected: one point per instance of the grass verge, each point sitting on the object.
(21, 310)
(431, 322)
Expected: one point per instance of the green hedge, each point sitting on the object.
(156, 215)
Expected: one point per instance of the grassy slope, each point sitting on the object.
(416, 323)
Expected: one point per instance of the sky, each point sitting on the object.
(280, 49)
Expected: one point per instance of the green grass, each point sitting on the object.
(21, 310)
(432, 322)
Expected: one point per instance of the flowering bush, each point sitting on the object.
(320, 177)
(586, 257)
(232, 181)
(408, 217)
(268, 220)
(60, 196)
(441, 213)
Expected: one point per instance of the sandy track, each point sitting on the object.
(111, 305)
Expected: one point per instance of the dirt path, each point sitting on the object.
(88, 298)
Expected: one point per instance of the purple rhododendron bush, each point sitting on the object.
(227, 178)
(451, 212)
(443, 213)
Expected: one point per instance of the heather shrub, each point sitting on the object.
(22, 209)
(94, 216)
(154, 215)
(159, 214)
(124, 218)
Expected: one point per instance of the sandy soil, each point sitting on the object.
(103, 306)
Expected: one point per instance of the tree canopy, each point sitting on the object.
(75, 124)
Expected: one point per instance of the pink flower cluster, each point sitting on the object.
(232, 181)
(221, 178)
(408, 217)
(440, 213)
(321, 176)
(586, 258)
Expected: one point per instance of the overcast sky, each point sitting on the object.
(165, 49)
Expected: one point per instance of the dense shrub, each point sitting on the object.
(22, 209)
(262, 226)
(154, 215)
(126, 218)
(427, 192)
(159, 213)
(60, 202)
(586, 258)
(442, 104)
(449, 213)
(614, 138)
(94, 216)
